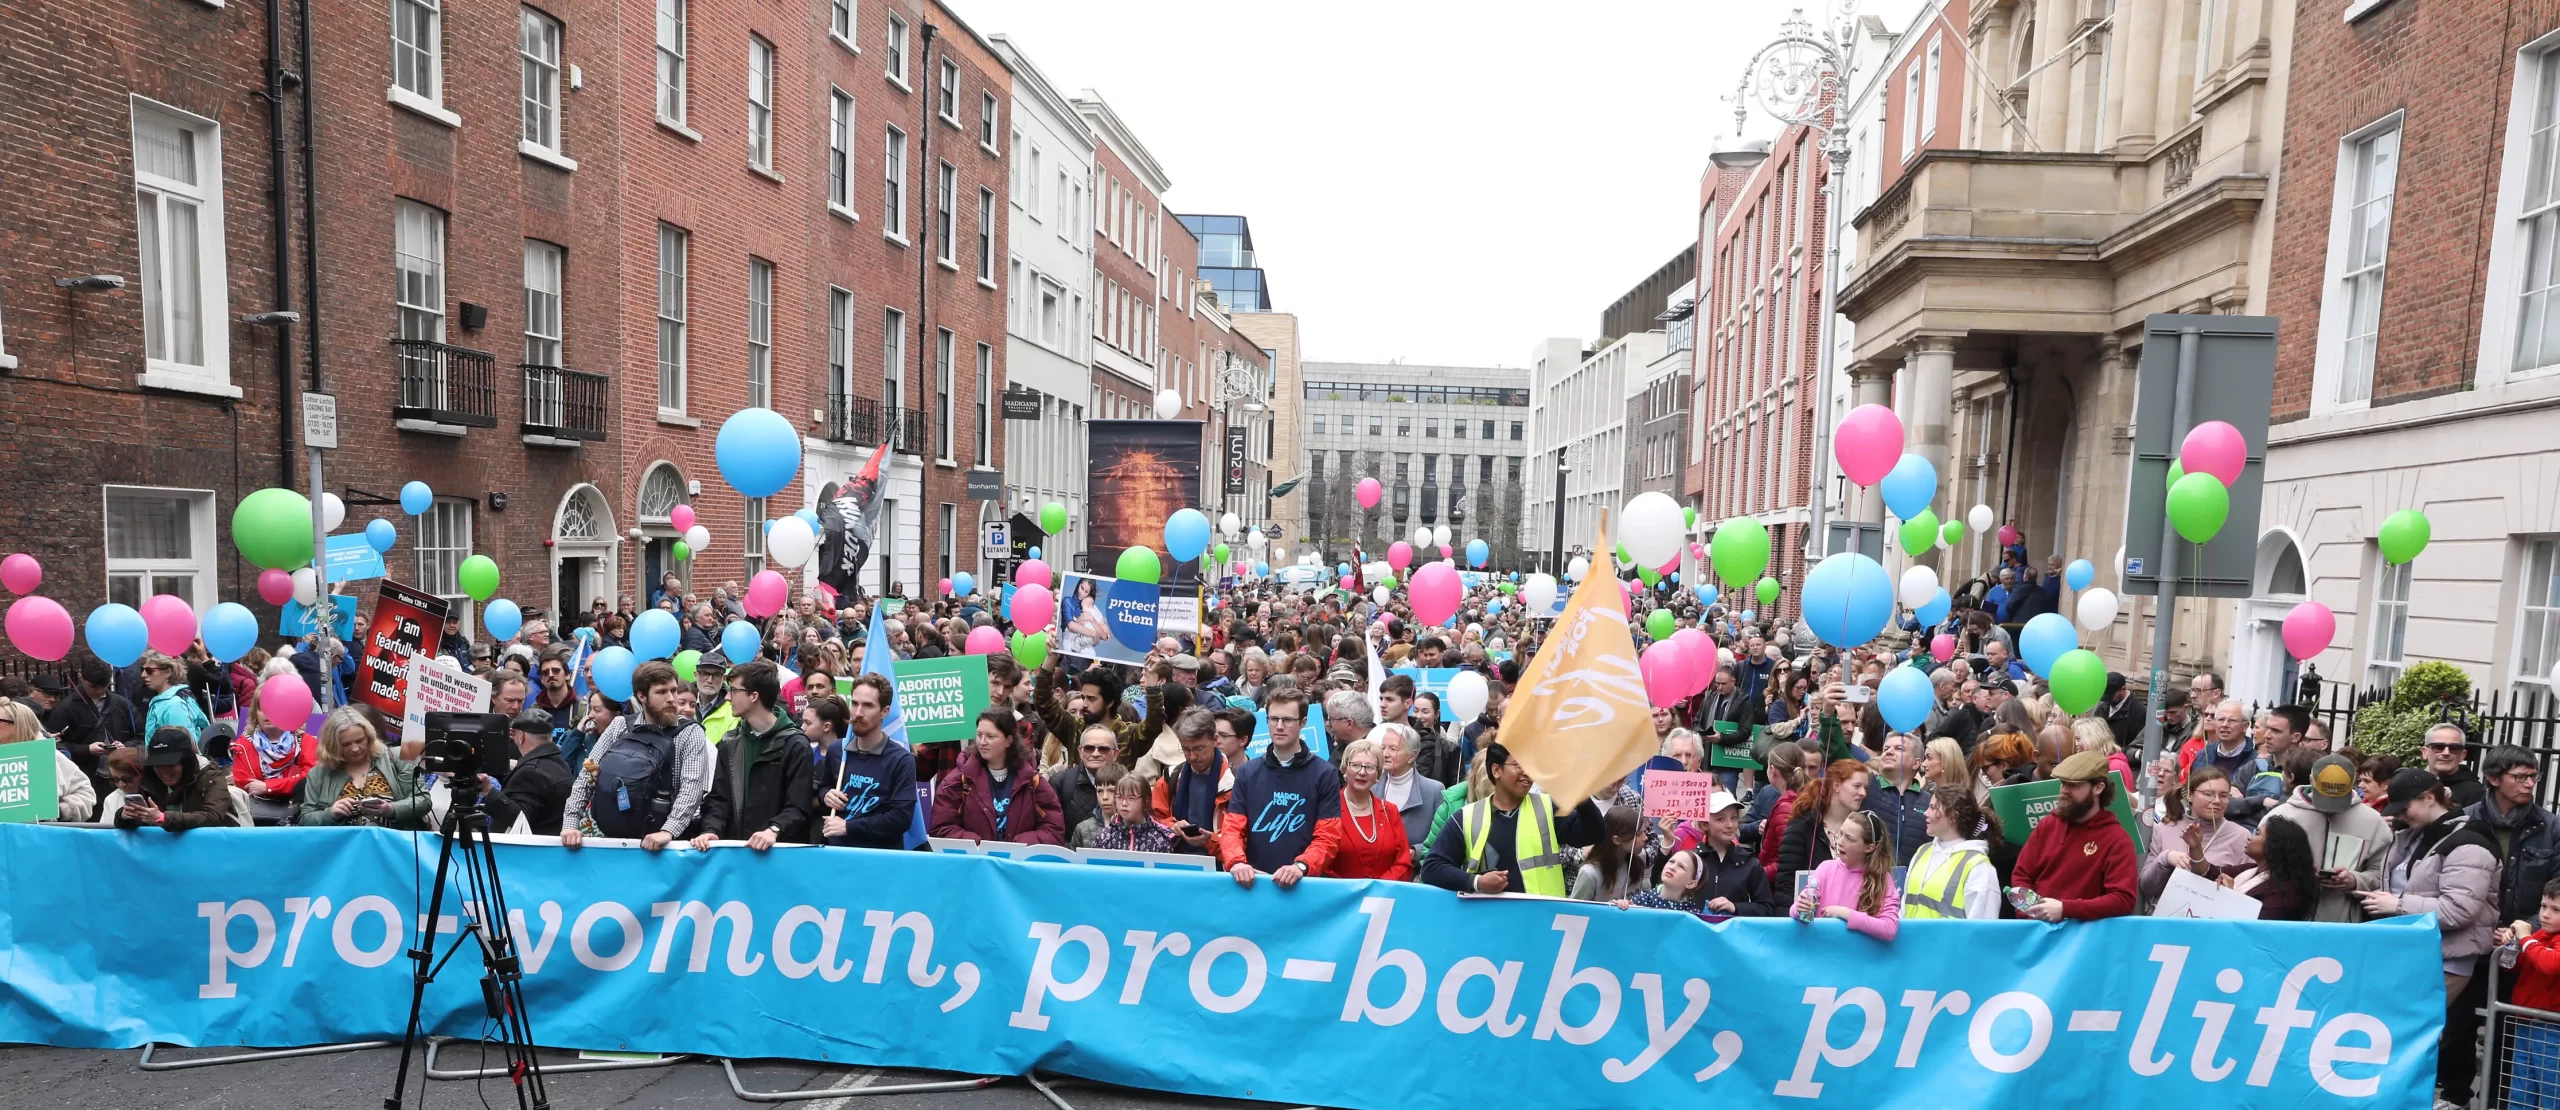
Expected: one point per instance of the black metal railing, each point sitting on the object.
(915, 435)
(854, 420)
(446, 384)
(563, 403)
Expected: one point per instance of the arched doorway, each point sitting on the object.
(584, 544)
(2262, 672)
(662, 488)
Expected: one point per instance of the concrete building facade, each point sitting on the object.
(1578, 428)
(1048, 291)
(1658, 403)
(1285, 515)
(1447, 444)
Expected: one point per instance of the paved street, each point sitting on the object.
(65, 1078)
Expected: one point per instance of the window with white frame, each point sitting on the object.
(1066, 221)
(418, 258)
(2385, 654)
(1032, 179)
(1929, 94)
(753, 532)
(417, 49)
(177, 182)
(671, 75)
(943, 342)
(946, 197)
(950, 535)
(950, 92)
(987, 120)
(1052, 322)
(893, 359)
(159, 541)
(444, 541)
(2538, 627)
(840, 21)
(2537, 217)
(986, 401)
(840, 153)
(544, 267)
(986, 234)
(839, 343)
(759, 103)
(672, 246)
(538, 44)
(893, 197)
(897, 65)
(1013, 170)
(759, 333)
(2360, 245)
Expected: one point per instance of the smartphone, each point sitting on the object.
(1189, 829)
(1858, 694)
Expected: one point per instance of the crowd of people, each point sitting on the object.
(1204, 748)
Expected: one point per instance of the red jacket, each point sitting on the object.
(964, 806)
(1383, 853)
(281, 785)
(2538, 972)
(2088, 867)
(1774, 830)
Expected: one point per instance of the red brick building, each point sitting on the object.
(1129, 230)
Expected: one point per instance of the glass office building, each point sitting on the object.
(1226, 262)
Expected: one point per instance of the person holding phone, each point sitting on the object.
(2351, 841)
(357, 782)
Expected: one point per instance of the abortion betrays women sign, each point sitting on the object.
(1171, 980)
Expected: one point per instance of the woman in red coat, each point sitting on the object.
(1372, 844)
(996, 793)
(268, 764)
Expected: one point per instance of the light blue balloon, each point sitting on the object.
(758, 452)
(740, 641)
(503, 619)
(1492, 606)
(1934, 613)
(1905, 698)
(1909, 486)
(810, 517)
(1847, 599)
(585, 633)
(416, 498)
(1035, 552)
(964, 583)
(1706, 593)
(1477, 553)
(2079, 574)
(1261, 570)
(2045, 639)
(1342, 570)
(381, 534)
(229, 631)
(116, 634)
(1748, 616)
(611, 669)
(1186, 535)
(654, 635)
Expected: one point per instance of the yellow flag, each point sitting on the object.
(1579, 720)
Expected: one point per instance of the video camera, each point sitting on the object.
(464, 746)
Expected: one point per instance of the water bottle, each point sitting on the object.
(2507, 954)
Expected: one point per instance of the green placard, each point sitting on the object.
(892, 606)
(940, 699)
(26, 782)
(1733, 756)
(2019, 807)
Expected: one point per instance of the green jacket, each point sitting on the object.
(1451, 801)
(321, 787)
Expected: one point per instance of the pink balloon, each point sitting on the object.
(1444, 551)
(21, 573)
(171, 623)
(1346, 582)
(1867, 443)
(1436, 592)
(767, 593)
(1032, 573)
(276, 586)
(285, 699)
(680, 518)
(1033, 608)
(2008, 535)
(1698, 551)
(2215, 448)
(1669, 565)
(985, 640)
(1399, 554)
(1368, 492)
(2309, 629)
(946, 587)
(1942, 647)
(1702, 657)
(1666, 673)
(40, 627)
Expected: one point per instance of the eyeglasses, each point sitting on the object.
(1287, 720)
(1370, 768)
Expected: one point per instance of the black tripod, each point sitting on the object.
(466, 833)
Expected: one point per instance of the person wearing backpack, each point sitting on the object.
(765, 776)
(173, 702)
(646, 776)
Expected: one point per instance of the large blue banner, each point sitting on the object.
(1398, 995)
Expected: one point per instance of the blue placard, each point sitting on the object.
(353, 559)
(296, 619)
(1430, 680)
(1310, 734)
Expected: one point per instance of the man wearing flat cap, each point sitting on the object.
(2079, 864)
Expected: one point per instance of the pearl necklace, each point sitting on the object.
(1368, 833)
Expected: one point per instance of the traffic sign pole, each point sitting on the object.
(2163, 618)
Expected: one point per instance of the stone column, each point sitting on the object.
(2138, 83)
(1933, 372)
(2049, 91)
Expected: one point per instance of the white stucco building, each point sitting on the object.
(1049, 278)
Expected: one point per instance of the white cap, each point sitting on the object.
(1720, 801)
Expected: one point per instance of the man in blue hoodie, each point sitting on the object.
(1283, 815)
(872, 799)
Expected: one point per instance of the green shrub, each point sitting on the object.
(2398, 725)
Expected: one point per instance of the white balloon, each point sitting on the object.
(1421, 537)
(1650, 527)
(1539, 594)
(1440, 534)
(1256, 539)
(306, 587)
(791, 543)
(2097, 608)
(1980, 518)
(699, 538)
(1276, 554)
(333, 512)
(2555, 674)
(1381, 594)
(1168, 404)
(1919, 584)
(1230, 523)
(1574, 570)
(1466, 696)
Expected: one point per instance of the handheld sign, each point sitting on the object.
(1681, 794)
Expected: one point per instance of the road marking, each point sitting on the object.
(860, 1077)
(1308, 971)
(2095, 1021)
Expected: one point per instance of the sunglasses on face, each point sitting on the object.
(1098, 749)
(2444, 747)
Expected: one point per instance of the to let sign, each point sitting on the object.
(1681, 794)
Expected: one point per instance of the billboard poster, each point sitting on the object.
(1143, 472)
(1109, 619)
(405, 622)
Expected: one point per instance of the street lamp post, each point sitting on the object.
(1799, 79)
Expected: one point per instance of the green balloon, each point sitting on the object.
(1388, 580)
(1221, 551)
(1140, 564)
(1690, 515)
(1031, 650)
(1053, 518)
(479, 577)
(1740, 550)
(1952, 532)
(2404, 535)
(2079, 679)
(1920, 533)
(1768, 592)
(1623, 557)
(272, 528)
(684, 661)
(1507, 589)
(2176, 472)
(2198, 505)
(1657, 624)
(1649, 575)
(684, 552)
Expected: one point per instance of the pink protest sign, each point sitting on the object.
(1681, 794)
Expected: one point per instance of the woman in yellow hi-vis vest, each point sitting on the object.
(1951, 876)
(1511, 840)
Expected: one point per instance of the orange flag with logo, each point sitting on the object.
(1579, 720)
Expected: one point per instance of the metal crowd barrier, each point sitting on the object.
(2520, 1053)
(146, 1063)
(739, 1088)
(581, 1067)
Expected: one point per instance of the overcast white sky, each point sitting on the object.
(1432, 181)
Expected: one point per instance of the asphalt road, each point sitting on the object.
(39, 1078)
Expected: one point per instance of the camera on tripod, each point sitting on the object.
(464, 746)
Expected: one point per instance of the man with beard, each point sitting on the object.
(2079, 863)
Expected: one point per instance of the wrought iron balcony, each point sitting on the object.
(563, 403)
(445, 384)
(915, 436)
(865, 422)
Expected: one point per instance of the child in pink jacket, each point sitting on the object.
(1856, 885)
